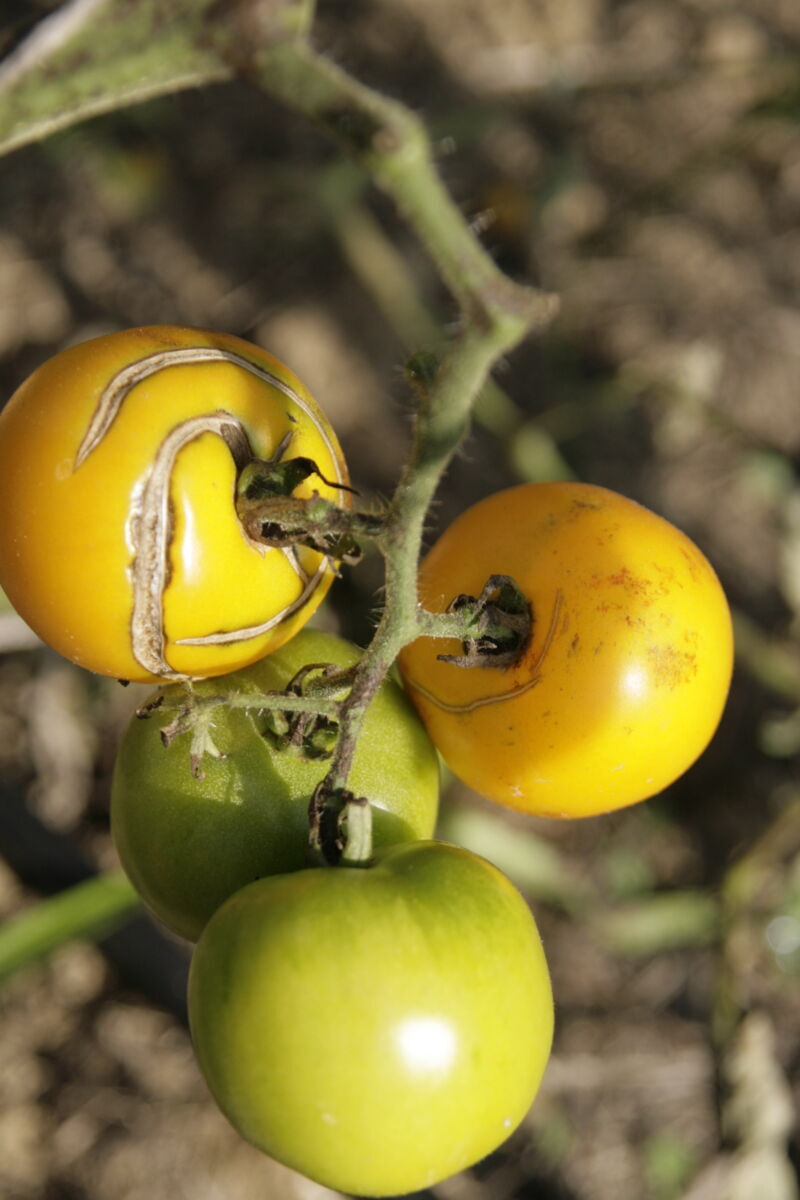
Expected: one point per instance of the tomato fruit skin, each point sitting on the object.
(378, 1028)
(120, 543)
(187, 844)
(627, 672)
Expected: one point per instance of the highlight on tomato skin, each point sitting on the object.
(121, 545)
(627, 671)
(376, 1028)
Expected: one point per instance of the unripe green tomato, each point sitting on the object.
(377, 1028)
(187, 844)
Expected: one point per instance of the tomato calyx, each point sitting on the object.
(273, 516)
(309, 733)
(280, 522)
(497, 625)
(302, 719)
(340, 826)
(192, 717)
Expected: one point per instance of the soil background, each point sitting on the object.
(641, 158)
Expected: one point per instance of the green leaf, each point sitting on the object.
(93, 56)
(663, 921)
(531, 862)
(88, 910)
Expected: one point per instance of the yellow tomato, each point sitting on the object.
(120, 543)
(625, 676)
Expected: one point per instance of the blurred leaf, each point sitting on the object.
(766, 475)
(669, 1163)
(784, 103)
(535, 455)
(775, 663)
(92, 56)
(529, 861)
(88, 910)
(553, 1134)
(664, 921)
(626, 873)
(779, 735)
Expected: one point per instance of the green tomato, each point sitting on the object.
(187, 844)
(377, 1028)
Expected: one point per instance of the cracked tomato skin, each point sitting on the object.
(625, 677)
(187, 843)
(376, 1028)
(120, 544)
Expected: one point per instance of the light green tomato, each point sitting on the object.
(187, 844)
(376, 1028)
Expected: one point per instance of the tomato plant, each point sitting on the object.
(188, 843)
(627, 670)
(377, 1028)
(120, 543)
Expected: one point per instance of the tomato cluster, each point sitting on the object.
(382, 1024)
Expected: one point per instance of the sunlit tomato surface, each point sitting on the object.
(376, 1028)
(120, 543)
(625, 676)
(187, 844)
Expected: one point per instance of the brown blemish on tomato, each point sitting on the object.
(670, 667)
(668, 575)
(630, 582)
(692, 562)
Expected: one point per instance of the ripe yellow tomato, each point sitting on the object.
(625, 676)
(120, 543)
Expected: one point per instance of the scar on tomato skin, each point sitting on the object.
(481, 701)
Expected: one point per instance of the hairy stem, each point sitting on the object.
(391, 144)
(441, 423)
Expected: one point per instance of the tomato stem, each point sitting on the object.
(357, 815)
(284, 521)
(340, 826)
(391, 144)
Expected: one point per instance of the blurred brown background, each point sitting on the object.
(642, 159)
